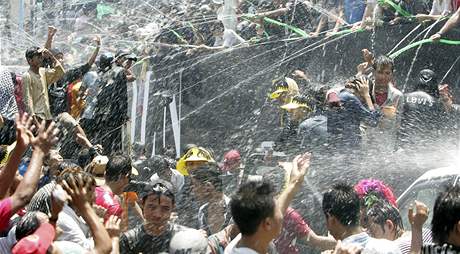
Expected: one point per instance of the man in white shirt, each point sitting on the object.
(258, 214)
(342, 210)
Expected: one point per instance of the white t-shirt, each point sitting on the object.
(232, 249)
(441, 7)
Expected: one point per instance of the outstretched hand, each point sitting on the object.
(300, 166)
(112, 225)
(24, 130)
(46, 138)
(420, 216)
(77, 191)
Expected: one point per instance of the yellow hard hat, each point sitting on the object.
(193, 155)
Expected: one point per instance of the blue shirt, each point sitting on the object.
(354, 10)
(343, 123)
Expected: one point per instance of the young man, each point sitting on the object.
(341, 206)
(36, 81)
(155, 234)
(421, 115)
(355, 107)
(445, 224)
(384, 222)
(214, 215)
(258, 214)
(117, 175)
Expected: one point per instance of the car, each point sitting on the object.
(425, 189)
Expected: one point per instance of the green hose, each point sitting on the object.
(421, 42)
(396, 7)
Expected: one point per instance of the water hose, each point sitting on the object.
(418, 43)
(278, 23)
(396, 7)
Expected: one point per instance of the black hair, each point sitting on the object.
(446, 214)
(159, 164)
(118, 166)
(3, 152)
(382, 211)
(31, 52)
(343, 203)
(251, 204)
(27, 225)
(66, 163)
(209, 173)
(383, 60)
(159, 188)
(84, 157)
(72, 172)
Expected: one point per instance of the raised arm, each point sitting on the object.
(49, 40)
(451, 23)
(300, 165)
(417, 220)
(41, 144)
(91, 61)
(76, 191)
(23, 125)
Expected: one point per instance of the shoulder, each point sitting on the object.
(382, 246)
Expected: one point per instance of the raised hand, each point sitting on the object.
(24, 131)
(97, 40)
(112, 225)
(300, 165)
(420, 216)
(46, 138)
(77, 191)
(52, 30)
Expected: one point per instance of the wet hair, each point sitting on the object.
(84, 157)
(159, 164)
(446, 214)
(118, 166)
(382, 211)
(343, 203)
(27, 225)
(31, 52)
(72, 173)
(251, 204)
(159, 188)
(208, 173)
(68, 164)
(382, 61)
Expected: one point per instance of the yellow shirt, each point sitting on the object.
(35, 90)
(77, 103)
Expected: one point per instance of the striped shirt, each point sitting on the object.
(404, 242)
(41, 201)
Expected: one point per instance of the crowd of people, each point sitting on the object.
(70, 184)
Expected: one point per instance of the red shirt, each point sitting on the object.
(108, 200)
(380, 98)
(294, 228)
(6, 211)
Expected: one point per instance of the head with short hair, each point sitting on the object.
(118, 172)
(383, 70)
(29, 223)
(255, 210)
(446, 217)
(428, 82)
(158, 201)
(342, 209)
(206, 182)
(34, 57)
(72, 172)
(383, 220)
